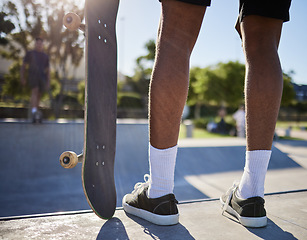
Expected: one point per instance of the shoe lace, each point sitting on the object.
(138, 185)
(231, 191)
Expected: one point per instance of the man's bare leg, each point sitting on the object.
(35, 98)
(178, 30)
(179, 27)
(264, 80)
(263, 91)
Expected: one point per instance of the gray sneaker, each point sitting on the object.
(250, 212)
(160, 211)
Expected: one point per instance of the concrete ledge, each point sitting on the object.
(287, 219)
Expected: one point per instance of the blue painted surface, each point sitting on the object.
(32, 180)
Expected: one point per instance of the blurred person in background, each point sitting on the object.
(239, 116)
(36, 64)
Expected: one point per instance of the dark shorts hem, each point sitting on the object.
(278, 9)
(196, 2)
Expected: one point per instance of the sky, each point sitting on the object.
(218, 41)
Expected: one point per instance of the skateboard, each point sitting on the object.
(100, 105)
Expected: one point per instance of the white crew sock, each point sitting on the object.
(252, 181)
(162, 170)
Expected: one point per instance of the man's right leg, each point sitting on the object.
(179, 27)
(35, 97)
(263, 90)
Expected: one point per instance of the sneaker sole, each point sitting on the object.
(246, 221)
(151, 217)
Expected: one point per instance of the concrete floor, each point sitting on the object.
(33, 182)
(200, 220)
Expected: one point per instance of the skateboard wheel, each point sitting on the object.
(72, 21)
(68, 159)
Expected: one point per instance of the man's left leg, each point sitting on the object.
(263, 90)
(35, 98)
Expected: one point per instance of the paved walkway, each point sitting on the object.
(301, 134)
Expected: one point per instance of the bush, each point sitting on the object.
(129, 100)
(201, 123)
(70, 101)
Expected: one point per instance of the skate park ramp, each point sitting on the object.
(33, 182)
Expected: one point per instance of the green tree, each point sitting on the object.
(141, 79)
(200, 91)
(81, 93)
(6, 27)
(150, 56)
(221, 84)
(231, 87)
(14, 88)
(137, 86)
(288, 94)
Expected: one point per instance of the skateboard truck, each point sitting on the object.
(70, 159)
(73, 22)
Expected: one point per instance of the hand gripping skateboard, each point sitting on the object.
(100, 105)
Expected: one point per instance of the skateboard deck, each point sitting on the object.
(100, 106)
